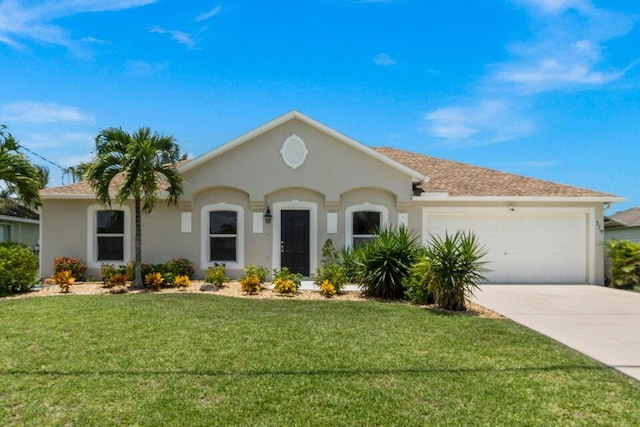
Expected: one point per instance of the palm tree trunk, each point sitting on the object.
(137, 283)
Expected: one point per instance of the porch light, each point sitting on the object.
(267, 215)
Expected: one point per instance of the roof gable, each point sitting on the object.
(416, 177)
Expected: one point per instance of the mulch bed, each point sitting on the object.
(231, 289)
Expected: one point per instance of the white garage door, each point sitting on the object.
(524, 247)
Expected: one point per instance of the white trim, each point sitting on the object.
(332, 223)
(403, 219)
(348, 218)
(415, 176)
(19, 219)
(92, 237)
(590, 218)
(258, 220)
(204, 236)
(185, 222)
(294, 151)
(313, 231)
(443, 197)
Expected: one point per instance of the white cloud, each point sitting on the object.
(206, 15)
(143, 68)
(41, 112)
(484, 122)
(566, 48)
(93, 40)
(555, 6)
(178, 36)
(44, 140)
(23, 21)
(384, 60)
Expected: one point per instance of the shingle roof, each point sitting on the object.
(627, 217)
(19, 211)
(83, 188)
(445, 176)
(459, 179)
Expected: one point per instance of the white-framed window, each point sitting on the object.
(222, 235)
(108, 235)
(363, 221)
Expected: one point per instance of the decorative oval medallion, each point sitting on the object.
(294, 151)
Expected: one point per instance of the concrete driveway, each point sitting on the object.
(600, 322)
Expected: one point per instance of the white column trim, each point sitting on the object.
(313, 231)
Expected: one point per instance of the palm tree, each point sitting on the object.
(145, 163)
(20, 180)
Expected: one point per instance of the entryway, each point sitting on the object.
(294, 241)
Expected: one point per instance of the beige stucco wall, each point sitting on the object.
(331, 167)
(64, 228)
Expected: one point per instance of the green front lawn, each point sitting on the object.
(191, 359)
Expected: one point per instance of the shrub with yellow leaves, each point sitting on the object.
(64, 279)
(285, 286)
(250, 284)
(182, 281)
(154, 280)
(327, 289)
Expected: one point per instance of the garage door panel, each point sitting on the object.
(524, 248)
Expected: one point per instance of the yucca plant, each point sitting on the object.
(456, 268)
(386, 261)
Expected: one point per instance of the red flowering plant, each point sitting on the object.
(74, 265)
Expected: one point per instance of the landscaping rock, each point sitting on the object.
(209, 287)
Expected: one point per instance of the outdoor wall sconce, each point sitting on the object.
(267, 215)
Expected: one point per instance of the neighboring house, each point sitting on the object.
(623, 225)
(272, 196)
(19, 224)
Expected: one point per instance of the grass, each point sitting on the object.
(207, 360)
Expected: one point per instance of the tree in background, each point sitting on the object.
(20, 180)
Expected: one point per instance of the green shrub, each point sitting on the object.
(179, 267)
(216, 275)
(331, 270)
(74, 265)
(108, 270)
(417, 283)
(18, 268)
(285, 281)
(349, 259)
(456, 267)
(626, 263)
(130, 269)
(257, 271)
(386, 261)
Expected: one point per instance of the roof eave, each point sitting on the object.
(443, 197)
(19, 219)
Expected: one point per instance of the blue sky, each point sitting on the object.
(543, 88)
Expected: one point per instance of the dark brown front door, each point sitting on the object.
(294, 241)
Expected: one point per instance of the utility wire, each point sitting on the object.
(65, 171)
(46, 160)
